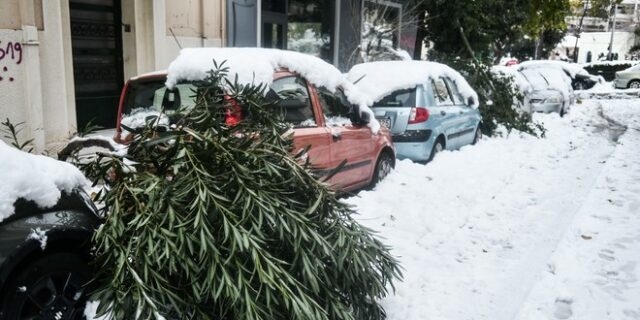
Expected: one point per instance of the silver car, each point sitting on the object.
(546, 94)
(628, 79)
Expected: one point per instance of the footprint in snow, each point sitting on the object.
(563, 308)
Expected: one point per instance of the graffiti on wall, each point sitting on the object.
(10, 54)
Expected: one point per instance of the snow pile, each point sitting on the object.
(40, 236)
(35, 178)
(379, 79)
(138, 117)
(612, 63)
(476, 229)
(257, 65)
(520, 83)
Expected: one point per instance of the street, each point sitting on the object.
(518, 227)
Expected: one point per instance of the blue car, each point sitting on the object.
(431, 116)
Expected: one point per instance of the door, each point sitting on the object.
(445, 115)
(466, 121)
(352, 146)
(96, 41)
(242, 17)
(297, 108)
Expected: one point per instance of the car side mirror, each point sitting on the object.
(365, 117)
(471, 101)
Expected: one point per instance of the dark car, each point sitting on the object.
(44, 258)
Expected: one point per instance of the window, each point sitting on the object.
(398, 99)
(310, 27)
(155, 96)
(458, 99)
(295, 104)
(336, 107)
(441, 93)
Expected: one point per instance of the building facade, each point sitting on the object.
(595, 34)
(63, 63)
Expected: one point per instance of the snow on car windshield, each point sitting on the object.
(256, 66)
(34, 178)
(379, 79)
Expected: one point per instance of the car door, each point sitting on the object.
(466, 122)
(352, 145)
(445, 113)
(299, 110)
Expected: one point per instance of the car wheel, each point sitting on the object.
(51, 287)
(385, 164)
(478, 136)
(437, 148)
(635, 84)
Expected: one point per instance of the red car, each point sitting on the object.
(322, 119)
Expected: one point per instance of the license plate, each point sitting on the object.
(386, 122)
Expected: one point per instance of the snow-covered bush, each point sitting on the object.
(209, 221)
(497, 103)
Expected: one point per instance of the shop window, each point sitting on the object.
(310, 27)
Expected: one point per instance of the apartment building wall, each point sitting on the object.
(37, 55)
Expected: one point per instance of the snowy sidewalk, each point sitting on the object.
(594, 273)
(477, 229)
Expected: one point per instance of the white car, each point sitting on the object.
(543, 89)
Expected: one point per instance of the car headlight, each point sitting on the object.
(554, 100)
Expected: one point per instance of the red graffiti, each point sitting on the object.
(12, 51)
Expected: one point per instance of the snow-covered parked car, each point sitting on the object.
(543, 89)
(326, 111)
(548, 91)
(428, 106)
(628, 79)
(580, 79)
(46, 225)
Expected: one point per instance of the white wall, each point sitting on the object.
(12, 93)
(598, 42)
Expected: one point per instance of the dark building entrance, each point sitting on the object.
(96, 40)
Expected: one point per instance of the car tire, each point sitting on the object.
(635, 84)
(477, 137)
(437, 148)
(53, 286)
(384, 165)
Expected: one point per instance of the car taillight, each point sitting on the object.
(418, 115)
(233, 115)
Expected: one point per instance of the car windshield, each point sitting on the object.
(537, 81)
(398, 99)
(153, 95)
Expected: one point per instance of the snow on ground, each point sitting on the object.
(519, 227)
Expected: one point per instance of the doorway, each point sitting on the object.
(96, 42)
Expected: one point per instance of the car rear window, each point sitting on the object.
(398, 99)
(153, 95)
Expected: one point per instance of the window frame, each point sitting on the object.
(311, 92)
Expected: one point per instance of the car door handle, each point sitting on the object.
(443, 113)
(461, 112)
(337, 136)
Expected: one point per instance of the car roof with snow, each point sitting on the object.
(257, 65)
(379, 79)
(572, 69)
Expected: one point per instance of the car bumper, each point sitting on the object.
(415, 151)
(546, 107)
(621, 83)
